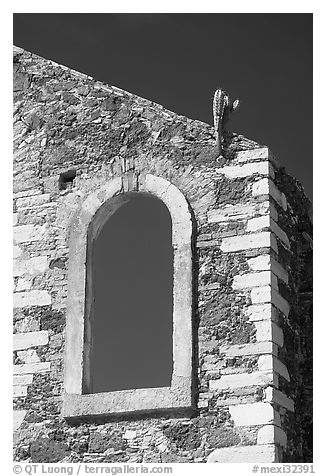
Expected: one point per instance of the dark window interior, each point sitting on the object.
(66, 179)
(132, 275)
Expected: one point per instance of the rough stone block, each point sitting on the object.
(267, 294)
(91, 204)
(130, 434)
(248, 242)
(19, 391)
(157, 185)
(241, 380)
(262, 153)
(238, 350)
(260, 263)
(24, 379)
(266, 186)
(32, 298)
(269, 331)
(261, 295)
(246, 170)
(110, 189)
(28, 356)
(261, 187)
(19, 416)
(17, 251)
(244, 454)
(261, 312)
(37, 367)
(250, 414)
(27, 193)
(23, 285)
(266, 262)
(33, 201)
(275, 396)
(278, 196)
(269, 362)
(237, 212)
(271, 434)
(27, 233)
(36, 265)
(258, 223)
(251, 280)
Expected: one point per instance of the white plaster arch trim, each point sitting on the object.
(91, 215)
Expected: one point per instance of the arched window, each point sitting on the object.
(129, 333)
(130, 265)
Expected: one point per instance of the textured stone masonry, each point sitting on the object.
(243, 386)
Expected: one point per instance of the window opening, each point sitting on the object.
(131, 266)
(66, 179)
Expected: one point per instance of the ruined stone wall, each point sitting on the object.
(251, 295)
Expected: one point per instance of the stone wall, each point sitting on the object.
(252, 292)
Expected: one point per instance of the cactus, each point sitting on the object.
(222, 108)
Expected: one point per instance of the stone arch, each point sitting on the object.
(108, 198)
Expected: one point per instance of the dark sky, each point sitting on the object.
(178, 60)
(133, 282)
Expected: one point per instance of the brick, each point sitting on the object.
(271, 434)
(32, 298)
(246, 170)
(241, 380)
(244, 454)
(37, 367)
(36, 265)
(250, 414)
(247, 242)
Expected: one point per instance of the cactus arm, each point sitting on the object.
(218, 112)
